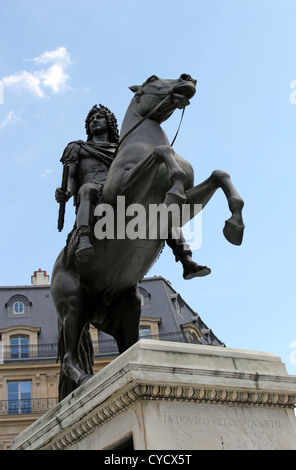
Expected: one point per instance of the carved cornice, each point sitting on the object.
(231, 397)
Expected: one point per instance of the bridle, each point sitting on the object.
(147, 116)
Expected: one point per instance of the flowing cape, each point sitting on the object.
(103, 151)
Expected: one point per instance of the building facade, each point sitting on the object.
(29, 367)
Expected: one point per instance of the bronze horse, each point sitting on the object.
(146, 170)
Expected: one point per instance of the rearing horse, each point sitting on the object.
(146, 170)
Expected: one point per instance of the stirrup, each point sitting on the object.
(85, 249)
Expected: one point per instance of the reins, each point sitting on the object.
(147, 116)
(182, 115)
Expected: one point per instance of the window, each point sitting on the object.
(144, 331)
(19, 347)
(18, 307)
(19, 397)
(149, 327)
(20, 342)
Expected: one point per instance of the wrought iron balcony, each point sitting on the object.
(30, 351)
(27, 406)
(101, 348)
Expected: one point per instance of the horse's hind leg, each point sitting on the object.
(124, 318)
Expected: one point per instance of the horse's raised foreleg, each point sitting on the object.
(139, 181)
(234, 226)
(202, 193)
(176, 193)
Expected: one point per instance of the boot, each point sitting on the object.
(85, 249)
(190, 268)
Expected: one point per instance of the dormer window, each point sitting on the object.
(18, 304)
(178, 303)
(144, 295)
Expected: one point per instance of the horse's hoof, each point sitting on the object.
(233, 232)
(84, 379)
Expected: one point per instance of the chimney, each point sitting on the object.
(40, 278)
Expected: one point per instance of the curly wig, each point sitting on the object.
(111, 120)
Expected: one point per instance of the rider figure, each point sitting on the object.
(89, 163)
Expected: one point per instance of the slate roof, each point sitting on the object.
(167, 303)
(161, 300)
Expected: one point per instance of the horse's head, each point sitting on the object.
(154, 90)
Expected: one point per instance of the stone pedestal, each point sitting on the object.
(172, 396)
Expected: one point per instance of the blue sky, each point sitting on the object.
(59, 58)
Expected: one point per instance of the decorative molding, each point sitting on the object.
(18, 297)
(52, 379)
(222, 396)
(191, 330)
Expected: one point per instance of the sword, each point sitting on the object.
(63, 204)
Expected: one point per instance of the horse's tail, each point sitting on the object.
(85, 355)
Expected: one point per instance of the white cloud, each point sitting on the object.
(46, 172)
(11, 118)
(59, 55)
(24, 80)
(55, 78)
(36, 81)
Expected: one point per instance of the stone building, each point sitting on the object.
(29, 370)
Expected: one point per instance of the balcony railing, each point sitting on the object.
(27, 406)
(32, 351)
(101, 347)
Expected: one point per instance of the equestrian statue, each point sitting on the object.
(95, 278)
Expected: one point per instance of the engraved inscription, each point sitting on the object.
(221, 421)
